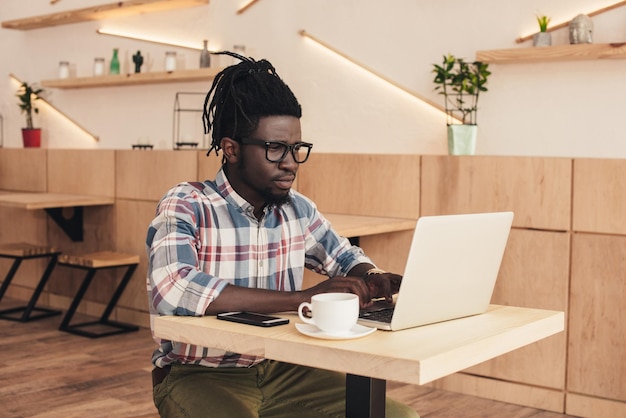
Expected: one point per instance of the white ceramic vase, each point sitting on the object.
(462, 139)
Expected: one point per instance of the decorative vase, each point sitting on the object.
(542, 39)
(31, 137)
(114, 67)
(205, 56)
(462, 139)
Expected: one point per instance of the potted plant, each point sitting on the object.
(461, 83)
(543, 38)
(27, 94)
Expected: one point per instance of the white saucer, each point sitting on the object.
(357, 331)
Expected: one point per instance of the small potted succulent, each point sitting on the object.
(27, 94)
(543, 37)
(461, 82)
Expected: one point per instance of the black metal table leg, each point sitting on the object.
(365, 397)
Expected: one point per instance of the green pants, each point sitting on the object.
(270, 389)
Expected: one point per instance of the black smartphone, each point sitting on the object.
(252, 318)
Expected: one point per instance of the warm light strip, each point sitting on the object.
(135, 37)
(566, 24)
(78, 125)
(247, 6)
(373, 72)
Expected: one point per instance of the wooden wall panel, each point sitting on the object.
(20, 225)
(597, 329)
(590, 407)
(389, 251)
(98, 235)
(132, 227)
(23, 169)
(534, 274)
(538, 190)
(90, 172)
(147, 175)
(363, 184)
(208, 165)
(510, 392)
(599, 196)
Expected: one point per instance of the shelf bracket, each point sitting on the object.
(72, 226)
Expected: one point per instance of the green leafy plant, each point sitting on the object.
(461, 83)
(27, 94)
(543, 21)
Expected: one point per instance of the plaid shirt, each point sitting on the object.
(205, 236)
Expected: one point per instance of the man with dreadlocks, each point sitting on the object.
(241, 243)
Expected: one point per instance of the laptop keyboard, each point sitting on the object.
(383, 315)
(380, 311)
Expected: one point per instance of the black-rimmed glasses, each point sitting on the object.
(276, 151)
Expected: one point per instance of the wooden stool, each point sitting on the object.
(22, 251)
(92, 263)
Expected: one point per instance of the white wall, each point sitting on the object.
(568, 109)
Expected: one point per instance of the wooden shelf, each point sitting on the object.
(133, 79)
(554, 53)
(104, 11)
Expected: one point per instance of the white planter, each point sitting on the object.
(462, 139)
(542, 39)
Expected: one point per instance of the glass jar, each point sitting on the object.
(98, 67)
(64, 69)
(170, 61)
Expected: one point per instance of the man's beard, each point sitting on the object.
(269, 197)
(273, 199)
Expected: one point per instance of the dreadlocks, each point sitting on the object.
(240, 95)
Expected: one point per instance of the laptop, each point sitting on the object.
(450, 272)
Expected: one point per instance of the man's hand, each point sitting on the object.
(383, 285)
(340, 284)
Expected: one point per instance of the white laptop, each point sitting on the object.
(450, 273)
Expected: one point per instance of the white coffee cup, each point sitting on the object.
(333, 313)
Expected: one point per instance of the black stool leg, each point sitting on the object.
(81, 292)
(44, 312)
(118, 293)
(9, 276)
(27, 311)
(118, 327)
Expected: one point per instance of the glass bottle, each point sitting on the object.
(170, 61)
(205, 56)
(114, 68)
(98, 67)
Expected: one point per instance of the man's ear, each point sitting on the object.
(230, 148)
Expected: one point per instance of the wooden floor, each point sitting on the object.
(48, 373)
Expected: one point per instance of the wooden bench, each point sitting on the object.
(92, 263)
(24, 251)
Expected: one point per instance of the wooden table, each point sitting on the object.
(53, 204)
(360, 226)
(418, 355)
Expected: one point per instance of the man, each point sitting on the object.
(241, 243)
